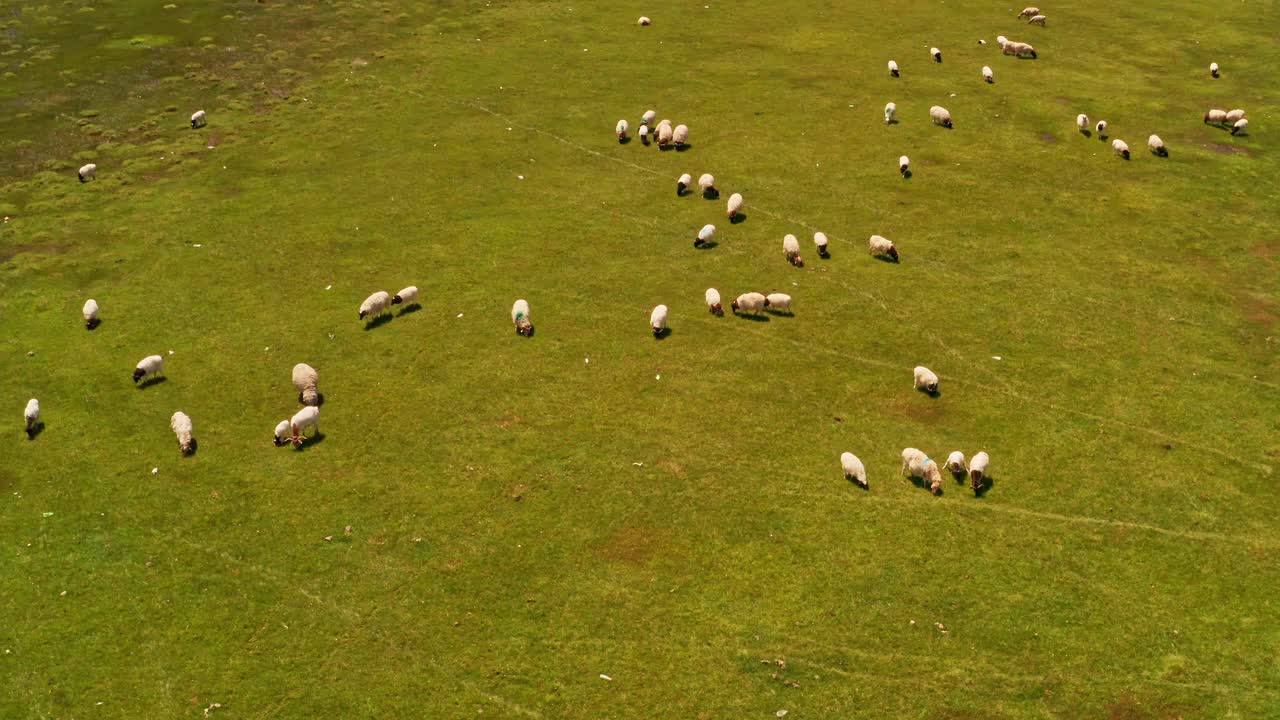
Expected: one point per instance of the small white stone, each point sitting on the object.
(155, 471)
(996, 357)
(657, 377)
(521, 177)
(459, 314)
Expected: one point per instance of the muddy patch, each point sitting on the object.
(1260, 311)
(506, 422)
(1049, 138)
(1226, 149)
(45, 249)
(922, 409)
(630, 545)
(671, 466)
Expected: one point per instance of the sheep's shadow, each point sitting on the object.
(378, 322)
(824, 254)
(1086, 133)
(624, 141)
(754, 317)
(153, 380)
(409, 309)
(666, 148)
(307, 442)
(854, 482)
(935, 394)
(195, 446)
(906, 174)
(921, 483)
(711, 194)
(663, 334)
(707, 245)
(987, 483)
(684, 147)
(887, 259)
(780, 313)
(892, 121)
(737, 219)
(682, 193)
(92, 324)
(1162, 154)
(35, 430)
(1102, 137)
(959, 475)
(645, 141)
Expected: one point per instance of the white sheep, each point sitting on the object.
(1233, 116)
(680, 136)
(707, 183)
(520, 316)
(407, 297)
(375, 305)
(925, 379)
(853, 469)
(305, 379)
(88, 172)
(1156, 145)
(936, 54)
(752, 302)
(149, 366)
(883, 247)
(658, 320)
(978, 471)
(281, 435)
(32, 415)
(1019, 49)
(1213, 69)
(705, 235)
(820, 239)
(90, 312)
(987, 75)
(647, 118)
(644, 134)
(181, 425)
(916, 464)
(198, 119)
(1100, 128)
(889, 110)
(791, 249)
(904, 165)
(1029, 12)
(713, 302)
(893, 68)
(1121, 148)
(735, 206)
(644, 20)
(955, 463)
(1082, 122)
(1001, 41)
(307, 417)
(940, 115)
(665, 135)
(1215, 117)
(1241, 127)
(1037, 20)
(621, 130)
(778, 302)
(683, 183)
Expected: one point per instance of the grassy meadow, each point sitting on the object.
(590, 523)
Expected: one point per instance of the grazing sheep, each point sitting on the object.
(644, 20)
(181, 425)
(150, 365)
(1213, 69)
(936, 54)
(987, 75)
(1233, 116)
(88, 172)
(1101, 128)
(1215, 117)
(916, 464)
(713, 302)
(375, 305)
(665, 135)
(735, 205)
(90, 311)
(644, 134)
(1121, 148)
(752, 302)
(621, 130)
(680, 136)
(893, 68)
(955, 463)
(1241, 127)
(981, 41)
(925, 379)
(658, 320)
(647, 118)
(1037, 20)
(820, 239)
(683, 183)
(407, 297)
(940, 116)
(978, 471)
(904, 165)
(32, 415)
(778, 302)
(1029, 12)
(889, 110)
(305, 378)
(1082, 122)
(705, 235)
(1156, 145)
(520, 316)
(791, 248)
(281, 435)
(198, 119)
(708, 185)
(307, 417)
(853, 469)
(883, 247)
(1019, 49)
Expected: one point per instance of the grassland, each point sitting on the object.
(670, 514)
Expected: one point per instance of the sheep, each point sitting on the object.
(407, 297)
(664, 135)
(853, 469)
(889, 110)
(752, 302)
(1215, 117)
(820, 239)
(936, 54)
(647, 118)
(940, 116)
(713, 302)
(680, 136)
(778, 302)
(904, 165)
(307, 417)
(1001, 41)
(1156, 145)
(925, 379)
(1241, 127)
(707, 183)
(1037, 20)
(916, 464)
(198, 119)
(1213, 69)
(705, 235)
(978, 471)
(32, 415)
(791, 248)
(893, 68)
(150, 365)
(1234, 115)
(644, 135)
(883, 247)
(1101, 129)
(1029, 12)
(1121, 148)
(520, 316)
(735, 206)
(305, 378)
(658, 320)
(88, 172)
(955, 463)
(281, 435)
(90, 312)
(1082, 122)
(181, 425)
(375, 305)
(1019, 49)
(683, 183)
(621, 130)
(987, 75)
(644, 20)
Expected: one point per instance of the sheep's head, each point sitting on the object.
(717, 310)
(734, 306)
(362, 314)
(524, 327)
(947, 122)
(935, 487)
(932, 387)
(397, 300)
(657, 331)
(138, 373)
(797, 261)
(186, 447)
(278, 441)
(893, 253)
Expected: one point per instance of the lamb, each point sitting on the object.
(32, 415)
(647, 118)
(644, 20)
(658, 321)
(707, 183)
(778, 302)
(916, 464)
(1037, 20)
(705, 235)
(752, 302)
(955, 463)
(181, 425)
(644, 134)
(925, 379)
(713, 302)
(940, 116)
(621, 130)
(1241, 127)
(198, 119)
(1213, 69)
(1121, 148)
(889, 110)
(664, 135)
(680, 136)
(281, 435)
(893, 68)
(987, 75)
(853, 469)
(305, 378)
(1156, 145)
(820, 239)
(978, 471)
(1082, 122)
(904, 165)
(520, 316)
(1029, 12)
(791, 247)
(150, 365)
(375, 305)
(1215, 117)
(735, 206)
(88, 172)
(307, 417)
(407, 297)
(936, 54)
(1101, 129)
(1234, 116)
(90, 312)
(883, 247)
(683, 183)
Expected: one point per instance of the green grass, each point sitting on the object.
(524, 521)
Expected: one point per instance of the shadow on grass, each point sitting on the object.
(711, 194)
(935, 393)
(35, 431)
(153, 380)
(706, 245)
(887, 259)
(93, 324)
(195, 446)
(824, 254)
(987, 483)
(666, 333)
(682, 148)
(378, 322)
(307, 442)
(1086, 132)
(754, 317)
(624, 141)
(409, 309)
(906, 174)
(739, 218)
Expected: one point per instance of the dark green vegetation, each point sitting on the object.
(523, 521)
